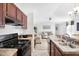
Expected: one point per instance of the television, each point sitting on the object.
(77, 26)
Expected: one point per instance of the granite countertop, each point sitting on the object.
(7, 51)
(64, 49)
(75, 37)
(29, 38)
(26, 34)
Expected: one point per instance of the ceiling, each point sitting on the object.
(42, 11)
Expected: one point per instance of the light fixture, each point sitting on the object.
(70, 13)
(50, 18)
(76, 10)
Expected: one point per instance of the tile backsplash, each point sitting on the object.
(11, 29)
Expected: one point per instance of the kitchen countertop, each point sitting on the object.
(29, 38)
(75, 37)
(7, 52)
(64, 49)
(26, 34)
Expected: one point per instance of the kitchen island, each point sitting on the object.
(57, 48)
(8, 52)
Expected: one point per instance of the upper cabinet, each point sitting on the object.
(11, 10)
(2, 14)
(24, 21)
(19, 15)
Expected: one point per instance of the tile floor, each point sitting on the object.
(41, 49)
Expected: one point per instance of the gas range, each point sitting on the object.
(11, 41)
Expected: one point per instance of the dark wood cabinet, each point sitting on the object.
(24, 21)
(19, 15)
(11, 10)
(2, 14)
(54, 51)
(57, 52)
(22, 18)
(51, 48)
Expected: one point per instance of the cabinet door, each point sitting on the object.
(57, 52)
(2, 14)
(24, 21)
(52, 49)
(11, 10)
(19, 15)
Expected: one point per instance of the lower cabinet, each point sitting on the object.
(54, 51)
(57, 52)
(51, 48)
(28, 53)
(15, 54)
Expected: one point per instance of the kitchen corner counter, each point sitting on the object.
(8, 52)
(65, 50)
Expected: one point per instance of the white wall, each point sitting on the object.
(73, 29)
(41, 24)
(45, 10)
(61, 28)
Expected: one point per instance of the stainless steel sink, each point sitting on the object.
(72, 46)
(63, 43)
(69, 45)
